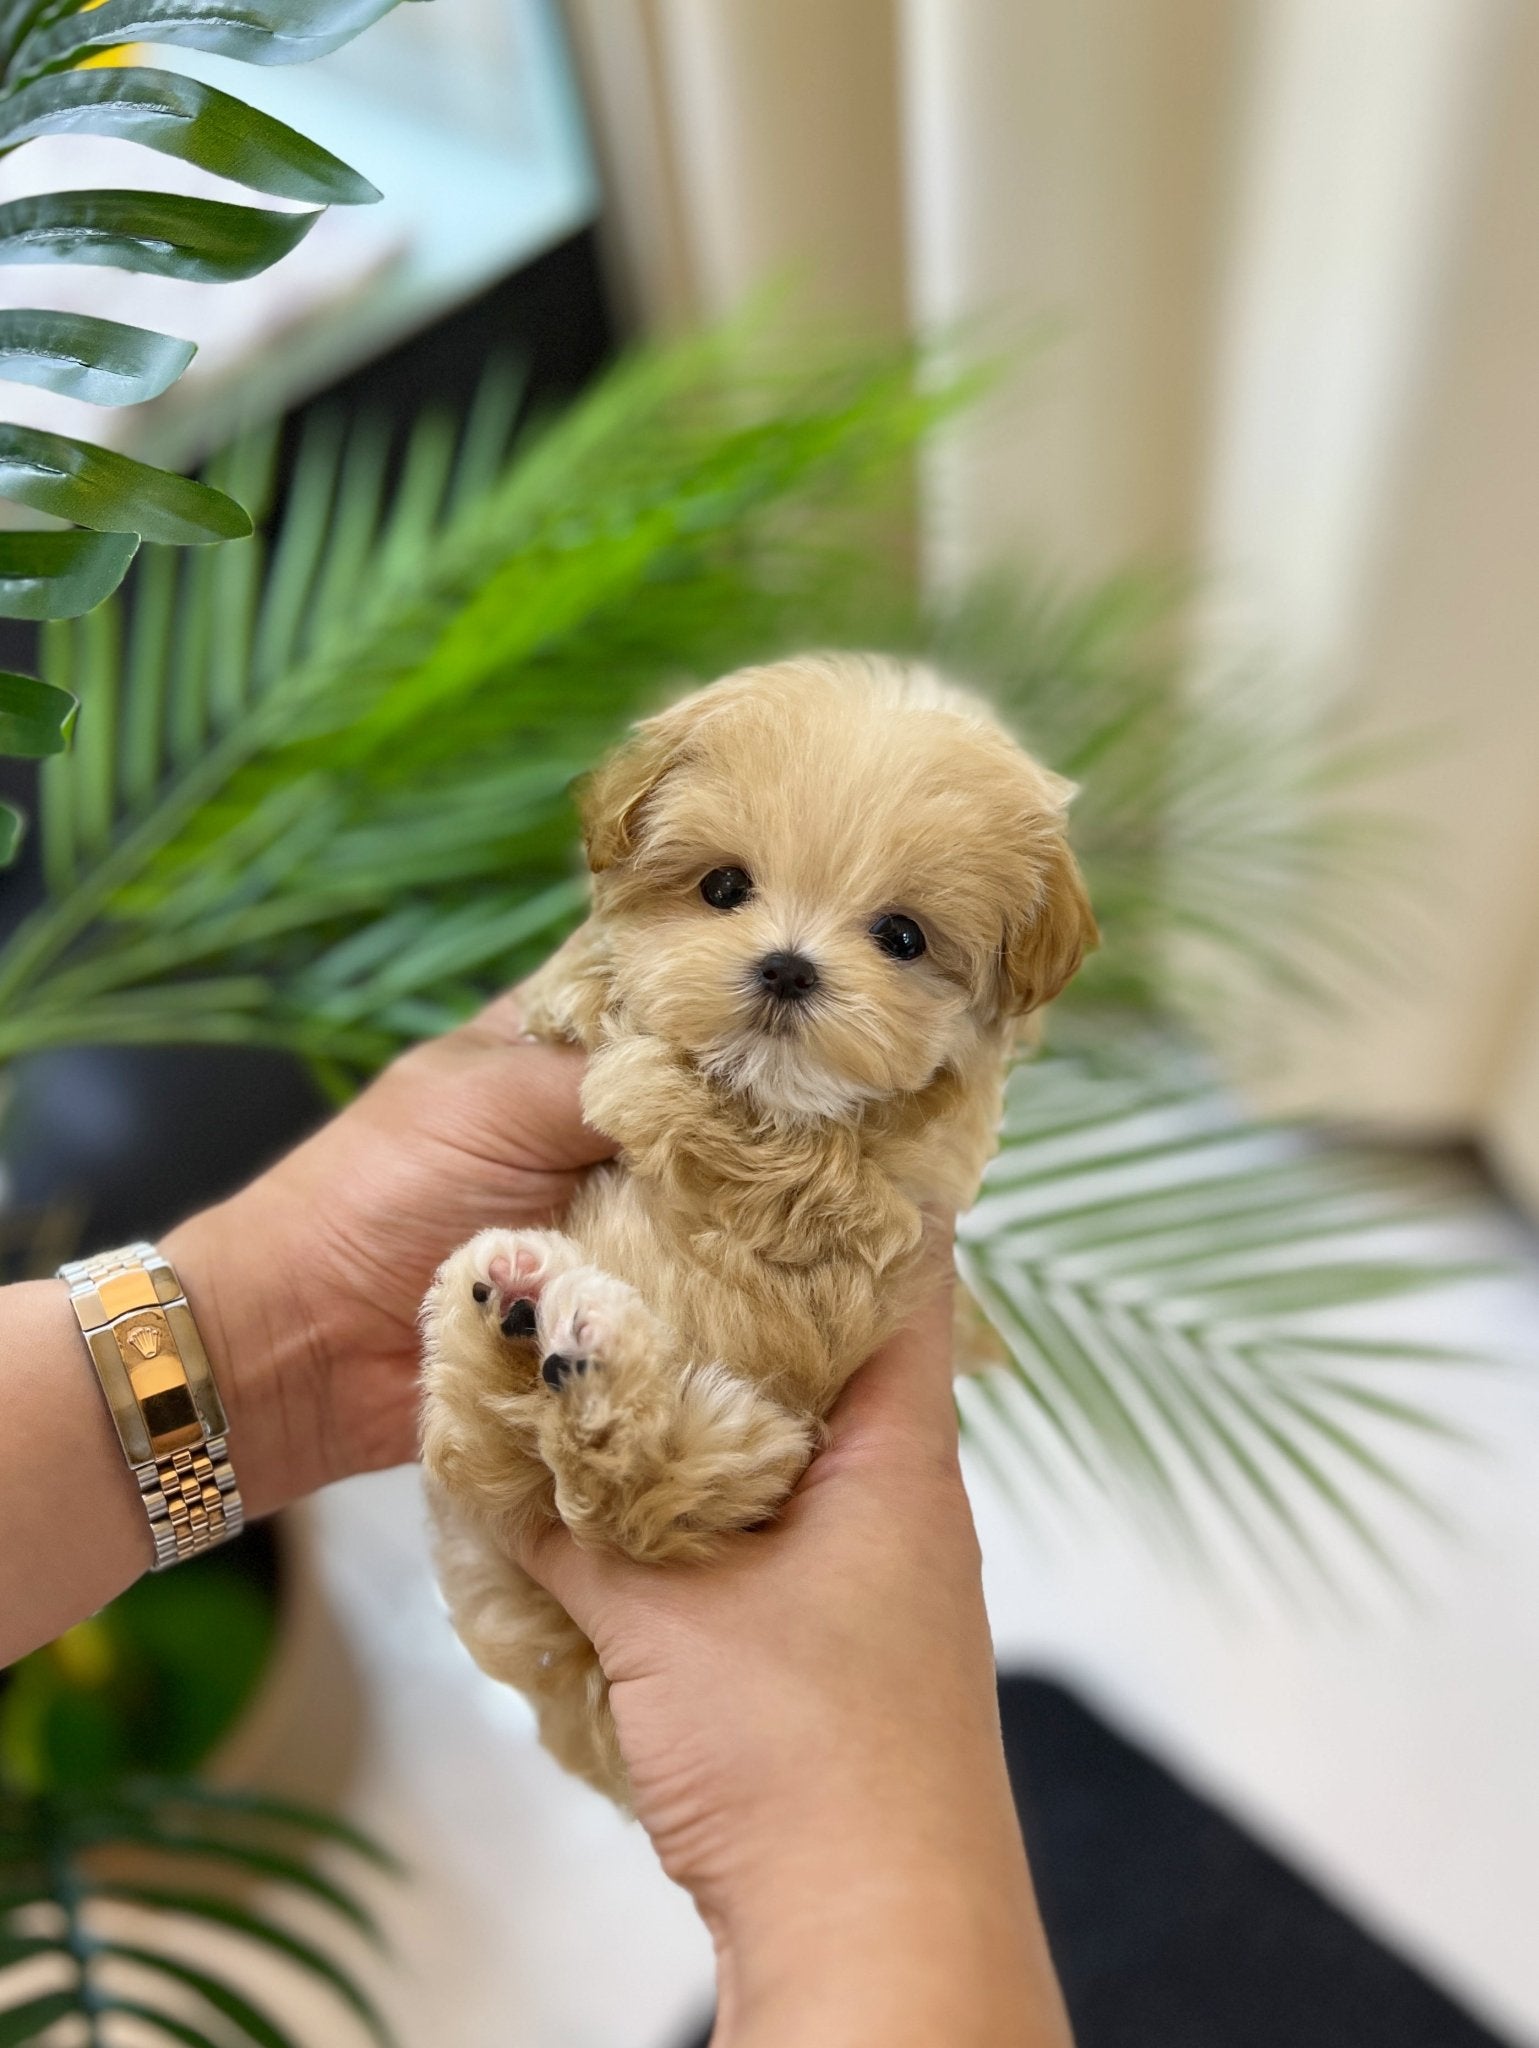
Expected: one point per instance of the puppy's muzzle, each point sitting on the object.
(786, 977)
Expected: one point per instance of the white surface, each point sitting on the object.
(1387, 1750)
(535, 1917)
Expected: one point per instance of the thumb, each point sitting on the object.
(502, 1020)
(597, 1587)
(900, 1404)
(530, 1089)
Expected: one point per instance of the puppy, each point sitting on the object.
(824, 894)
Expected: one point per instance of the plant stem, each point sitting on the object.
(68, 1894)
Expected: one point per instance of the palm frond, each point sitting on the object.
(63, 1872)
(1181, 1293)
(328, 779)
(338, 813)
(1214, 838)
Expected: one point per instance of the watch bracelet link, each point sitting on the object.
(155, 1375)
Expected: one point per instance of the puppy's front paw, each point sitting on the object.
(480, 1312)
(590, 1322)
(480, 1370)
(506, 1272)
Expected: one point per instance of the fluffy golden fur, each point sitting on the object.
(675, 1348)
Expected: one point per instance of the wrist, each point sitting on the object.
(263, 1350)
(906, 1941)
(897, 1908)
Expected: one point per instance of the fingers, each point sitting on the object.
(503, 1017)
(539, 1089)
(534, 1088)
(907, 1383)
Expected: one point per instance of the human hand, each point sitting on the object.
(306, 1283)
(811, 1730)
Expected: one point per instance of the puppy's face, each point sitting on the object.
(828, 880)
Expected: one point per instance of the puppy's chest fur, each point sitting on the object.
(785, 1246)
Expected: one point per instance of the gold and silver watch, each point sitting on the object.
(167, 1411)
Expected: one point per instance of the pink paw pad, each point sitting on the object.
(517, 1284)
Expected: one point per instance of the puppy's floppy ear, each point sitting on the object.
(1046, 941)
(1044, 948)
(613, 798)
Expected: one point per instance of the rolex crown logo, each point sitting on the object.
(145, 1340)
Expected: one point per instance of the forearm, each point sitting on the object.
(930, 1937)
(881, 1890)
(73, 1531)
(305, 1288)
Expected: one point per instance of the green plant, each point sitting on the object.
(49, 85)
(1168, 1277)
(321, 798)
(135, 1690)
(62, 1861)
(320, 803)
(115, 1858)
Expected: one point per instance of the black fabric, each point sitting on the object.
(1172, 1928)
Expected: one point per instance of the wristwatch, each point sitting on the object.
(167, 1411)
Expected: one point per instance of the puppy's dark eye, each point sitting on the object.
(899, 936)
(726, 888)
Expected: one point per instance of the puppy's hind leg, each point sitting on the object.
(650, 1452)
(520, 1635)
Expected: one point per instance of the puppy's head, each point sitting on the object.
(828, 879)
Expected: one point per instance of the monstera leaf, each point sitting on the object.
(48, 88)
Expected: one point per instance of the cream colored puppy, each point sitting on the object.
(824, 894)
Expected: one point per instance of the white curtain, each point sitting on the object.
(1293, 251)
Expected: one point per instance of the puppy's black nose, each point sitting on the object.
(788, 977)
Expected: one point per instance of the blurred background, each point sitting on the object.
(1170, 372)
